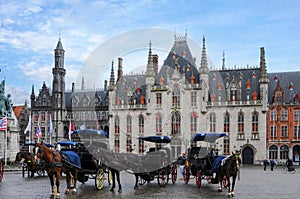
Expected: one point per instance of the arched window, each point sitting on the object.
(129, 124)
(255, 121)
(193, 123)
(212, 120)
(273, 151)
(141, 146)
(278, 98)
(176, 120)
(117, 144)
(284, 152)
(117, 125)
(158, 118)
(141, 124)
(226, 122)
(128, 144)
(241, 122)
(176, 97)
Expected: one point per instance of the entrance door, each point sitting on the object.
(247, 156)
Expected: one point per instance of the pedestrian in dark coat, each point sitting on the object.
(272, 163)
(266, 163)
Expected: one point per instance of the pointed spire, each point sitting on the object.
(112, 74)
(150, 67)
(150, 54)
(263, 68)
(32, 97)
(223, 60)
(82, 83)
(59, 45)
(204, 65)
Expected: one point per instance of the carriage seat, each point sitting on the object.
(153, 160)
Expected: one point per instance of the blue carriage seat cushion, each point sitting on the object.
(72, 157)
(217, 162)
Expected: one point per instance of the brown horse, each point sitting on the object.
(29, 159)
(54, 168)
(229, 168)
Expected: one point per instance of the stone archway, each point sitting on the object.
(296, 153)
(247, 155)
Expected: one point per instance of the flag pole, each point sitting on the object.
(6, 139)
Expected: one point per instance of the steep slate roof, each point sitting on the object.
(186, 63)
(285, 79)
(130, 83)
(239, 74)
(81, 93)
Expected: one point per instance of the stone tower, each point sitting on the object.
(58, 92)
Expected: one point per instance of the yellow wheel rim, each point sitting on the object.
(100, 179)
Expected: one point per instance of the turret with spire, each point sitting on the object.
(204, 77)
(58, 86)
(263, 80)
(150, 74)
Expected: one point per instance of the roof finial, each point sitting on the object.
(223, 60)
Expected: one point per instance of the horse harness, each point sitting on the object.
(56, 162)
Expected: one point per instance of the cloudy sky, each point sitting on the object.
(29, 31)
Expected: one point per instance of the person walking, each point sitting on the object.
(182, 160)
(272, 163)
(266, 163)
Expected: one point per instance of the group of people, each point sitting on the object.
(266, 163)
(272, 163)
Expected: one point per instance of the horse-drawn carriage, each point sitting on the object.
(31, 163)
(90, 167)
(155, 164)
(1, 168)
(200, 159)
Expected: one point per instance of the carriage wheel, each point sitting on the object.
(163, 178)
(225, 182)
(198, 179)
(99, 179)
(174, 174)
(109, 177)
(1, 170)
(186, 173)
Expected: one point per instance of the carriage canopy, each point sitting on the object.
(33, 144)
(101, 133)
(155, 139)
(207, 137)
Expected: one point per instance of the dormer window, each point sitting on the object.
(278, 98)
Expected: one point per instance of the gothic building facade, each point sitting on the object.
(80, 107)
(182, 99)
(260, 113)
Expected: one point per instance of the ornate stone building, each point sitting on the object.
(182, 99)
(81, 107)
(283, 130)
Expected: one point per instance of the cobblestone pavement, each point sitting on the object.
(253, 183)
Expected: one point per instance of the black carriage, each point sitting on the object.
(157, 163)
(84, 143)
(201, 160)
(39, 164)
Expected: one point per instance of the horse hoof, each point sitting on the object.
(219, 190)
(120, 190)
(57, 196)
(136, 187)
(74, 192)
(112, 189)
